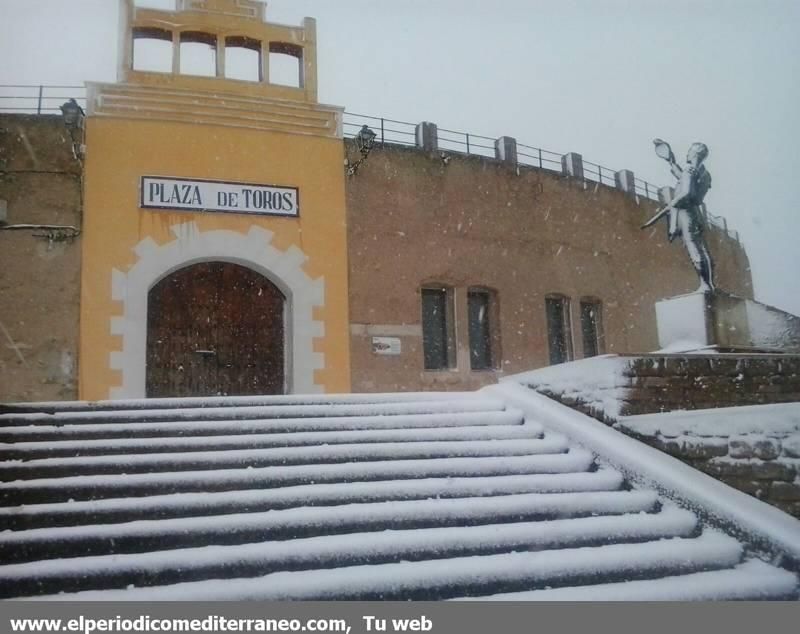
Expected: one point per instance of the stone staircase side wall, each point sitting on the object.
(664, 383)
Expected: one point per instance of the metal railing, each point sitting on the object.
(32, 99)
(394, 132)
(40, 99)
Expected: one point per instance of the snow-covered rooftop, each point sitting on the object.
(496, 494)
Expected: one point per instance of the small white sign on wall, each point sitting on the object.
(228, 197)
(386, 345)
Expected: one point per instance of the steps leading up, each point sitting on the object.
(417, 496)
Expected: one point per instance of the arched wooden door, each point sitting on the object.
(215, 329)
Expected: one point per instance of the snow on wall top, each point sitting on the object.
(598, 382)
(782, 419)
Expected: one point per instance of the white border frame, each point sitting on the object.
(191, 246)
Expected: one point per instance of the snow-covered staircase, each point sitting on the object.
(412, 496)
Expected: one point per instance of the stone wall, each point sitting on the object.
(664, 383)
(40, 181)
(759, 456)
(415, 217)
(735, 417)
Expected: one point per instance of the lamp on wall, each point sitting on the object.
(73, 120)
(364, 141)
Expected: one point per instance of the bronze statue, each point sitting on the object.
(685, 208)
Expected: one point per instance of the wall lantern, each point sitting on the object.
(364, 141)
(73, 115)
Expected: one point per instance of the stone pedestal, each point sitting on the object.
(725, 321)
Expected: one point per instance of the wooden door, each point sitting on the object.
(215, 329)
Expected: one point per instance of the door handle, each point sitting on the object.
(206, 352)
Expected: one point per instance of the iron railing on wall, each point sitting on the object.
(394, 132)
(41, 99)
(32, 99)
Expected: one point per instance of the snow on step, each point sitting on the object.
(234, 458)
(241, 401)
(258, 412)
(187, 504)
(751, 580)
(99, 486)
(418, 496)
(290, 523)
(103, 446)
(49, 430)
(260, 558)
(434, 579)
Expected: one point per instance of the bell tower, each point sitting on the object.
(221, 25)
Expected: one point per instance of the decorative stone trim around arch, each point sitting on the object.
(253, 250)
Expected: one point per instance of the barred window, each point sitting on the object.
(559, 328)
(592, 326)
(438, 328)
(481, 325)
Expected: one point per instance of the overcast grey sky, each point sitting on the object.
(599, 77)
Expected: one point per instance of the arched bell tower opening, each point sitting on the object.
(215, 329)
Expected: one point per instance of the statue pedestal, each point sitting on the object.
(685, 321)
(719, 319)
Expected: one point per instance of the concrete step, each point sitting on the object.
(150, 535)
(95, 487)
(252, 458)
(435, 579)
(180, 444)
(261, 412)
(58, 430)
(166, 567)
(116, 510)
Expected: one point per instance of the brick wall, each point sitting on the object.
(414, 219)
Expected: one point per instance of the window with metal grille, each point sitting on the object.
(559, 335)
(591, 326)
(438, 328)
(480, 329)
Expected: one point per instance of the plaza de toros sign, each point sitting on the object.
(228, 197)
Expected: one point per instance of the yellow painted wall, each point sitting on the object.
(121, 151)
